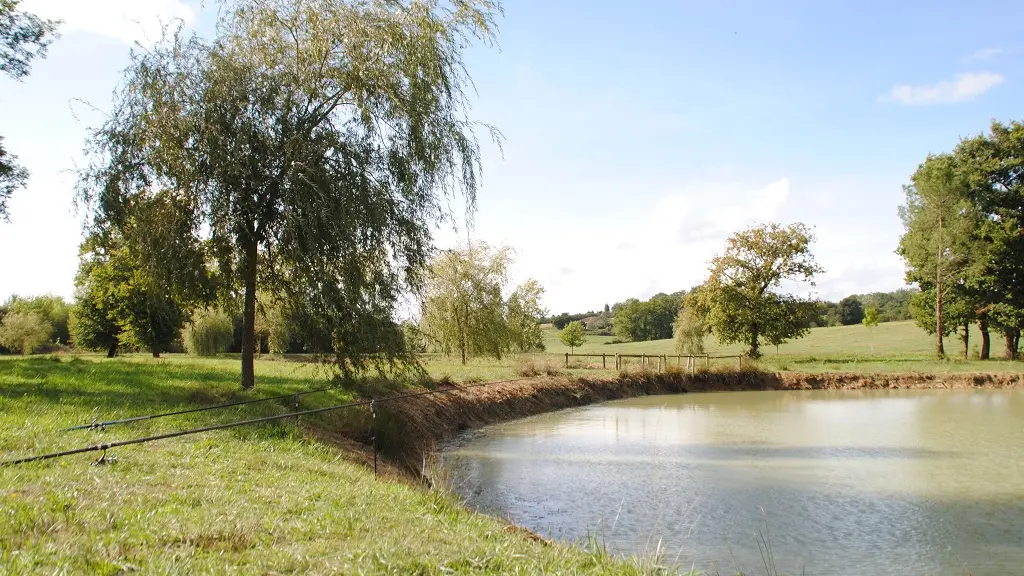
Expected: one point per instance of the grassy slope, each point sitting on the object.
(264, 499)
(892, 346)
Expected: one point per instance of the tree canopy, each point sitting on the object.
(851, 311)
(573, 335)
(963, 244)
(690, 327)
(740, 300)
(653, 319)
(316, 143)
(23, 38)
(465, 310)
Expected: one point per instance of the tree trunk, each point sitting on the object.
(755, 346)
(112, 350)
(1012, 339)
(966, 337)
(938, 294)
(249, 317)
(986, 342)
(156, 353)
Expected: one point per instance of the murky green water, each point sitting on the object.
(858, 482)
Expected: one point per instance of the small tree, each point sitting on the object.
(275, 323)
(523, 312)
(573, 335)
(739, 295)
(464, 310)
(24, 332)
(210, 333)
(870, 322)
(870, 318)
(92, 324)
(690, 330)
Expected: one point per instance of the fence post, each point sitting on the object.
(693, 364)
(566, 359)
(707, 361)
(603, 363)
(659, 364)
(739, 363)
(643, 360)
(618, 362)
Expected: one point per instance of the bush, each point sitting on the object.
(51, 310)
(24, 332)
(211, 333)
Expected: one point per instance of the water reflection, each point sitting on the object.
(859, 482)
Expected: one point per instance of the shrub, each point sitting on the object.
(530, 368)
(24, 332)
(52, 310)
(211, 333)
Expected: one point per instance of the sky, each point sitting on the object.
(636, 136)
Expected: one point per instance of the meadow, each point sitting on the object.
(264, 499)
(889, 347)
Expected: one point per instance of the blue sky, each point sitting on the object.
(637, 135)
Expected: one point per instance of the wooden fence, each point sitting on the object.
(648, 360)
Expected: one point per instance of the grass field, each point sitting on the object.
(255, 500)
(889, 347)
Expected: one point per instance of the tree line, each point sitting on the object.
(638, 320)
(963, 244)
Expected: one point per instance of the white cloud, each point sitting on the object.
(668, 250)
(986, 53)
(861, 274)
(963, 87)
(126, 20)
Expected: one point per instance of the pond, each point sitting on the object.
(839, 482)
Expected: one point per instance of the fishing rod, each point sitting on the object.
(101, 425)
(372, 402)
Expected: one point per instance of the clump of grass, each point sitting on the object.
(531, 368)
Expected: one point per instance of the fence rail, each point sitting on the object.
(648, 360)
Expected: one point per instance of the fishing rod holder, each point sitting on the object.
(373, 414)
(103, 460)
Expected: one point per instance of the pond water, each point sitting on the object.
(845, 482)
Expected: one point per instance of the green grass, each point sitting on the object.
(254, 500)
(890, 347)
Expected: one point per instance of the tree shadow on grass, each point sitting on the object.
(113, 386)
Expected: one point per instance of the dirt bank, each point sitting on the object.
(410, 429)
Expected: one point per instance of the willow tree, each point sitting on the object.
(320, 140)
(23, 37)
(464, 309)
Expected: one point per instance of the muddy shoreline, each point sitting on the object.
(411, 429)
